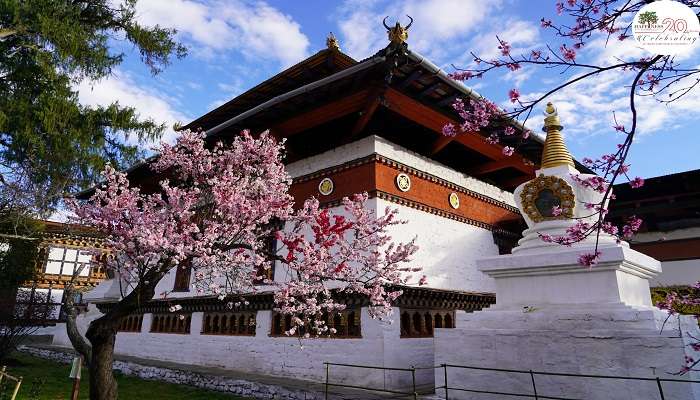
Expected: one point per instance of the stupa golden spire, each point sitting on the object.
(555, 152)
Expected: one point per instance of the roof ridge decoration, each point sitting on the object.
(555, 152)
(332, 42)
(397, 34)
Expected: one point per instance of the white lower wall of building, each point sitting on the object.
(380, 345)
(448, 249)
(684, 272)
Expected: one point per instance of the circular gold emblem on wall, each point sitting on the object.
(454, 200)
(403, 182)
(326, 186)
(541, 195)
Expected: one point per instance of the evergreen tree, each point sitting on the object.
(50, 144)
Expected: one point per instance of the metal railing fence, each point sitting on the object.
(413, 392)
(535, 395)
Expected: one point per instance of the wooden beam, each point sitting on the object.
(440, 143)
(449, 100)
(426, 91)
(414, 75)
(374, 100)
(434, 120)
(514, 182)
(496, 165)
(320, 115)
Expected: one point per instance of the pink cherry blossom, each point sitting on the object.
(214, 210)
(637, 182)
(513, 95)
(569, 54)
(589, 259)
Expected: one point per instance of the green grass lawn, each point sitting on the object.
(52, 382)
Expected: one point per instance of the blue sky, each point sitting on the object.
(236, 44)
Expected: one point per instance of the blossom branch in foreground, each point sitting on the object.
(582, 22)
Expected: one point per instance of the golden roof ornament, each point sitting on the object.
(332, 42)
(555, 152)
(397, 34)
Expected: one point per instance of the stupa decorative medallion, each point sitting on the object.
(542, 194)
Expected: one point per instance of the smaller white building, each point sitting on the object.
(669, 205)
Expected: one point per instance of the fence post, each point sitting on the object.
(446, 394)
(534, 387)
(661, 391)
(413, 375)
(327, 368)
(14, 394)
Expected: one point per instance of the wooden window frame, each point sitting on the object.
(171, 323)
(421, 323)
(348, 325)
(238, 323)
(183, 276)
(131, 323)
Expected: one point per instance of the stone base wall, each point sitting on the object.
(623, 341)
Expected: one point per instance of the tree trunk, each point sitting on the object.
(102, 333)
(76, 339)
(103, 385)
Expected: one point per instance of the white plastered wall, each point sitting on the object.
(674, 273)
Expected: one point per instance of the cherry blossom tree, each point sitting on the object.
(577, 24)
(214, 209)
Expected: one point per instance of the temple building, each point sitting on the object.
(63, 251)
(670, 209)
(374, 126)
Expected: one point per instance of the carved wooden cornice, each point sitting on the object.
(412, 297)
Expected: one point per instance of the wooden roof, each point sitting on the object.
(664, 203)
(329, 99)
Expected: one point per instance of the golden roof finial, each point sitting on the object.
(555, 152)
(332, 42)
(397, 34)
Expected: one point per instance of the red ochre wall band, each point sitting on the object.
(376, 175)
(671, 250)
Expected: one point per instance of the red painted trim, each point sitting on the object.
(671, 250)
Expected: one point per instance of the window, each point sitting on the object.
(65, 261)
(41, 305)
(422, 323)
(347, 324)
(131, 323)
(182, 277)
(232, 323)
(171, 323)
(267, 272)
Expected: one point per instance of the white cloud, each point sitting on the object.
(122, 88)
(586, 108)
(439, 30)
(257, 30)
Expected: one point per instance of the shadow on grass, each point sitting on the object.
(48, 380)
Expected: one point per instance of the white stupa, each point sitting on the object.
(552, 314)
